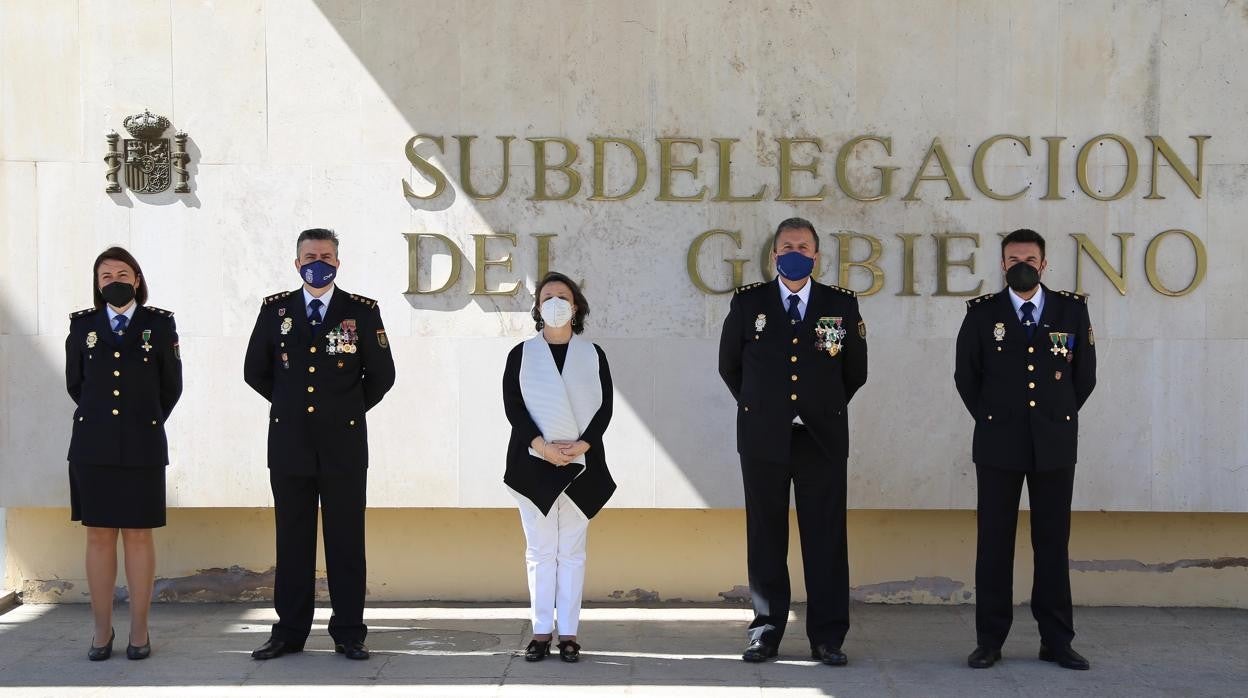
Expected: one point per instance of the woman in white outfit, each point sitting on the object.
(557, 393)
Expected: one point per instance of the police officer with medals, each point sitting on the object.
(1025, 366)
(321, 357)
(793, 352)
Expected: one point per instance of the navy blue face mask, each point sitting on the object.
(318, 274)
(794, 266)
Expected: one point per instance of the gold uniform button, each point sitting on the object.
(116, 412)
(116, 373)
(1031, 367)
(311, 369)
(793, 396)
(352, 422)
(755, 337)
(80, 419)
(1031, 385)
(793, 377)
(795, 340)
(116, 355)
(793, 359)
(747, 409)
(116, 393)
(990, 418)
(153, 422)
(312, 349)
(1032, 403)
(311, 389)
(311, 409)
(1031, 350)
(277, 419)
(1068, 418)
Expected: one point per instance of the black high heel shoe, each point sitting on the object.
(135, 652)
(569, 651)
(99, 654)
(537, 650)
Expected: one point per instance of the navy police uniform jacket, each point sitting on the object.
(125, 387)
(1025, 394)
(777, 370)
(319, 380)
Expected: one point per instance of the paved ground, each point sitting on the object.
(683, 650)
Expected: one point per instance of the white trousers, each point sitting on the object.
(555, 557)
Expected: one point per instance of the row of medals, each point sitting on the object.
(1061, 341)
(829, 333)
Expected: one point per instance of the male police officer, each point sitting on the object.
(1025, 365)
(793, 352)
(321, 357)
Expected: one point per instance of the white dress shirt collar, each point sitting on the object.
(1036, 300)
(325, 298)
(803, 295)
(112, 314)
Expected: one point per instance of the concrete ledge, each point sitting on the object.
(8, 599)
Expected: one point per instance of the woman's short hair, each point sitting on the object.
(578, 299)
(118, 254)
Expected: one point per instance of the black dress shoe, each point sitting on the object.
(759, 651)
(354, 649)
(982, 658)
(1065, 658)
(274, 648)
(832, 656)
(569, 651)
(537, 650)
(136, 652)
(99, 654)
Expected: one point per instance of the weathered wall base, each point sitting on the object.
(646, 555)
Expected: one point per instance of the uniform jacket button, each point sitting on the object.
(311, 409)
(116, 411)
(311, 369)
(793, 396)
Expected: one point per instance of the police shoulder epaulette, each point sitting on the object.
(159, 311)
(1081, 297)
(80, 313)
(277, 297)
(747, 287)
(976, 301)
(364, 299)
(838, 289)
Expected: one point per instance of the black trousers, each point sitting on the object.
(819, 489)
(341, 496)
(1050, 494)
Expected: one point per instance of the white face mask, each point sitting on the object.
(556, 312)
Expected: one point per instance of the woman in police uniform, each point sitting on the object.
(123, 369)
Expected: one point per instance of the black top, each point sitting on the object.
(1024, 396)
(534, 477)
(320, 380)
(776, 372)
(125, 387)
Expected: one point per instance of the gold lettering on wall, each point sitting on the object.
(936, 150)
(944, 263)
(413, 263)
(695, 251)
(425, 167)
(1128, 182)
(977, 166)
(1150, 263)
(907, 263)
(1054, 190)
(886, 173)
(600, 166)
(541, 167)
(668, 166)
(725, 174)
(1193, 181)
(845, 264)
(1116, 277)
(483, 264)
(788, 167)
(465, 167)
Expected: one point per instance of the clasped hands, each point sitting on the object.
(559, 453)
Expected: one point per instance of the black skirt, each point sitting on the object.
(107, 496)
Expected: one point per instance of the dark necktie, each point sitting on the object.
(121, 320)
(794, 314)
(1029, 321)
(315, 316)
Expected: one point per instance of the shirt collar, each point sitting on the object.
(803, 293)
(1036, 300)
(325, 297)
(112, 314)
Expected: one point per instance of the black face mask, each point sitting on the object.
(118, 294)
(1022, 277)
